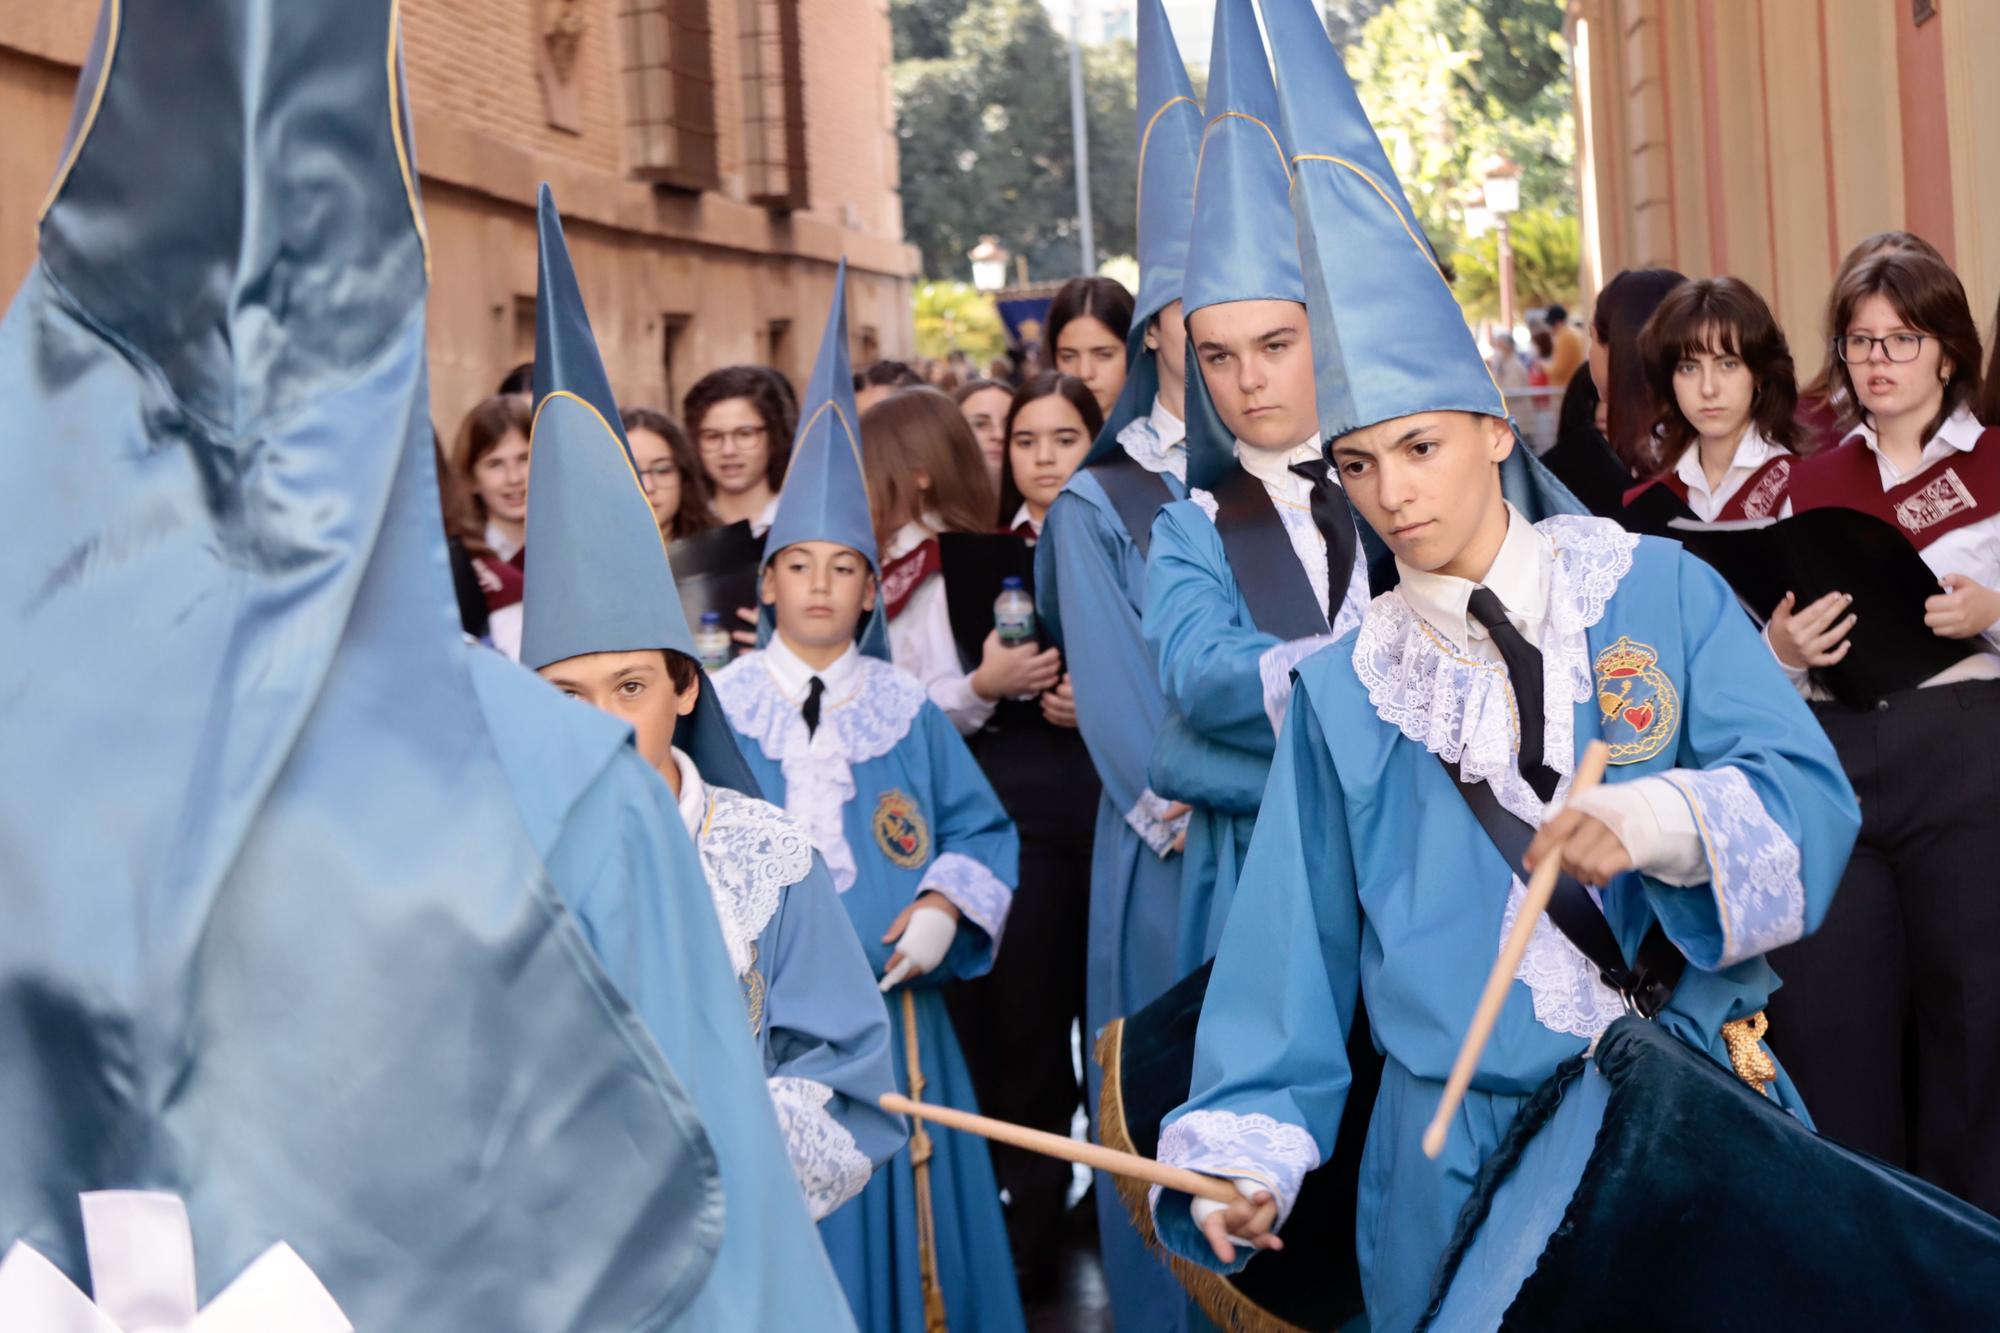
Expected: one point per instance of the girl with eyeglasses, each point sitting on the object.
(1889, 1020)
(741, 419)
(669, 471)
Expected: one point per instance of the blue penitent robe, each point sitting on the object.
(601, 820)
(895, 803)
(1223, 678)
(811, 998)
(1369, 875)
(1090, 586)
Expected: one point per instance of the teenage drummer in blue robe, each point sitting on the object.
(603, 623)
(1090, 588)
(921, 852)
(1258, 566)
(1505, 647)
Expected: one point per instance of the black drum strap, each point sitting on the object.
(1274, 585)
(1135, 493)
(1649, 984)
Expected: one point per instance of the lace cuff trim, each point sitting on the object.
(976, 891)
(1275, 670)
(1147, 818)
(830, 1166)
(751, 852)
(1271, 1152)
(1754, 865)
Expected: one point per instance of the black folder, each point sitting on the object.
(718, 571)
(974, 565)
(1654, 512)
(1838, 550)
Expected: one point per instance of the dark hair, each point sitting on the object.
(521, 379)
(1049, 383)
(1103, 299)
(922, 430)
(1823, 388)
(1544, 341)
(1927, 296)
(970, 387)
(694, 515)
(1623, 308)
(1719, 315)
(767, 392)
(682, 670)
(484, 427)
(1555, 316)
(888, 375)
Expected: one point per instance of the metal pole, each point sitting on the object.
(1506, 278)
(1079, 131)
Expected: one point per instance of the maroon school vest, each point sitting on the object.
(902, 576)
(1760, 496)
(1958, 489)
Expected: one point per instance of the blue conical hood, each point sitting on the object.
(1388, 339)
(598, 580)
(825, 495)
(1169, 139)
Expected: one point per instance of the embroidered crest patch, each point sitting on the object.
(1935, 503)
(900, 830)
(1639, 711)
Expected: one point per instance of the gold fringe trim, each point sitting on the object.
(1218, 1298)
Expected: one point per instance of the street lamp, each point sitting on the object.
(1503, 197)
(989, 264)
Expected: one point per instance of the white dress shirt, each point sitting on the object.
(1647, 814)
(1157, 441)
(1021, 516)
(920, 640)
(1752, 452)
(794, 675)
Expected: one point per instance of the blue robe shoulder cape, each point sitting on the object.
(1369, 876)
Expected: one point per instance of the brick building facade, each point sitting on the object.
(713, 160)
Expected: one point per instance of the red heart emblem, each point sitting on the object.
(1639, 717)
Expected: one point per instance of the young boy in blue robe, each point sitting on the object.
(1504, 649)
(921, 852)
(1264, 515)
(1090, 586)
(603, 623)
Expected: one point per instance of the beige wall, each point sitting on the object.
(1763, 138)
(650, 259)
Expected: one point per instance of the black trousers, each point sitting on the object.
(1015, 1023)
(1889, 1016)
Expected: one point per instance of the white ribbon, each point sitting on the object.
(142, 1271)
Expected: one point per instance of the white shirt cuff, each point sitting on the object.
(1799, 676)
(1652, 819)
(961, 703)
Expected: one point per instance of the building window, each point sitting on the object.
(774, 103)
(669, 91)
(673, 355)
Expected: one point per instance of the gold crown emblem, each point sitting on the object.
(1626, 658)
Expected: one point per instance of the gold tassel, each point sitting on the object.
(1753, 1064)
(920, 1171)
(1214, 1293)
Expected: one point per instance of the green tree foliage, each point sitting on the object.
(922, 28)
(953, 316)
(1547, 259)
(984, 134)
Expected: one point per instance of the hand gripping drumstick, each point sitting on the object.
(1541, 887)
(1069, 1150)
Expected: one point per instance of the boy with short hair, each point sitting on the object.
(603, 624)
(920, 849)
(1719, 835)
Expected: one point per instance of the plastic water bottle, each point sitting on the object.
(712, 643)
(1014, 613)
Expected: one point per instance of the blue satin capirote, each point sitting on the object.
(825, 495)
(276, 938)
(600, 581)
(1388, 338)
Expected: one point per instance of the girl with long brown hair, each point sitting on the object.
(670, 471)
(925, 476)
(490, 459)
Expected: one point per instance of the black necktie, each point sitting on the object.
(811, 711)
(1524, 668)
(1336, 524)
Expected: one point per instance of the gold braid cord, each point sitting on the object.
(1753, 1064)
(920, 1171)
(1215, 1294)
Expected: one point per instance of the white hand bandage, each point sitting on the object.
(924, 943)
(1203, 1209)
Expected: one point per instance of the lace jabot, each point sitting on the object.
(751, 852)
(866, 719)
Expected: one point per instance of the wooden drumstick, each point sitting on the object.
(1541, 887)
(1094, 1155)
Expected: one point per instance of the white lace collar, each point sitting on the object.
(1157, 443)
(1519, 577)
(863, 718)
(794, 674)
